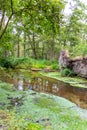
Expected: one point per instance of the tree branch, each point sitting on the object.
(12, 6)
(12, 12)
(3, 15)
(4, 30)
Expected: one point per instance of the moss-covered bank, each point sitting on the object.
(73, 81)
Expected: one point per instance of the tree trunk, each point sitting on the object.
(52, 48)
(18, 53)
(43, 56)
(34, 46)
(24, 44)
(6, 53)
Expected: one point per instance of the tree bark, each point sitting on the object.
(52, 48)
(18, 53)
(24, 44)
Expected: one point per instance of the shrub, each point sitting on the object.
(8, 63)
(55, 66)
(11, 62)
(67, 72)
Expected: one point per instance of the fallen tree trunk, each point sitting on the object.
(77, 65)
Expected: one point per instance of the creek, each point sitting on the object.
(24, 80)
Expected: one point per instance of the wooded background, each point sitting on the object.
(40, 28)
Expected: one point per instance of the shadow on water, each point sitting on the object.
(48, 85)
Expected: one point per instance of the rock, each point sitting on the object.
(77, 65)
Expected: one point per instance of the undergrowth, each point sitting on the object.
(67, 72)
(28, 63)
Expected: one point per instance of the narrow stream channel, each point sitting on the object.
(44, 84)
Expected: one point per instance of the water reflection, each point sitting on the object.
(20, 84)
(48, 85)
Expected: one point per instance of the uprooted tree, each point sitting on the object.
(77, 65)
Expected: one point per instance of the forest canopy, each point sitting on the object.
(40, 28)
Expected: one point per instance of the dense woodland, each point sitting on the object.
(40, 28)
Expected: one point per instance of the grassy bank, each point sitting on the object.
(73, 81)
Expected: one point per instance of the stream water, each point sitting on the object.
(27, 80)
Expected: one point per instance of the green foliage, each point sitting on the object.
(34, 126)
(8, 63)
(38, 19)
(41, 28)
(67, 72)
(55, 66)
(27, 63)
(12, 62)
(31, 63)
(40, 63)
(80, 50)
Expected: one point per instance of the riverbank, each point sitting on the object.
(31, 110)
(73, 81)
